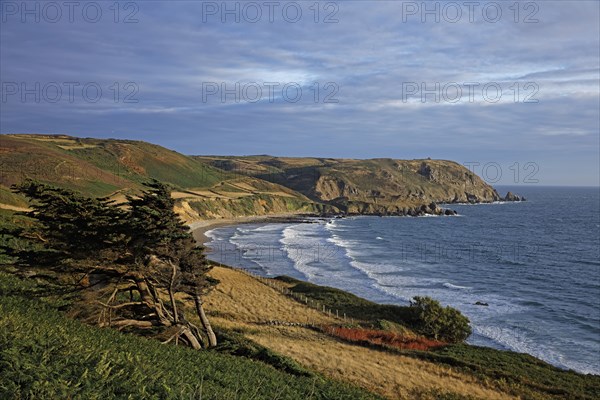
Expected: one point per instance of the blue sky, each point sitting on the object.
(539, 63)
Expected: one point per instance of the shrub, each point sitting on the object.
(433, 320)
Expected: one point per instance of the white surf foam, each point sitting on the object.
(456, 287)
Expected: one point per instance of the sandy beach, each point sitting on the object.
(199, 228)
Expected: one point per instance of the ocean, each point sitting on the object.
(536, 264)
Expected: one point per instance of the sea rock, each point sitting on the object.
(480, 303)
(447, 211)
(510, 196)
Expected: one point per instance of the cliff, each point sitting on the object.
(377, 186)
(208, 187)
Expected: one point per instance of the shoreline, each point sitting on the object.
(199, 228)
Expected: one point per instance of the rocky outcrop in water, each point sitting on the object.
(510, 196)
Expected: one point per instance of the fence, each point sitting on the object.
(280, 287)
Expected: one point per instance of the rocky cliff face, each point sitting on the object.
(378, 186)
(390, 186)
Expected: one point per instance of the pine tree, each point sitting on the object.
(140, 250)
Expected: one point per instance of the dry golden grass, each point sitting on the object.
(241, 185)
(242, 302)
(13, 208)
(77, 146)
(185, 195)
(247, 300)
(202, 193)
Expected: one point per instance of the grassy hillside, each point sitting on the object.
(116, 167)
(274, 320)
(98, 167)
(515, 373)
(44, 355)
(227, 187)
(377, 186)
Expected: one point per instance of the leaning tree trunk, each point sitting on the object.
(191, 338)
(212, 338)
(171, 293)
(152, 301)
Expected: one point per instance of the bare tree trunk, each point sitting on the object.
(171, 294)
(132, 322)
(189, 336)
(151, 300)
(197, 333)
(212, 338)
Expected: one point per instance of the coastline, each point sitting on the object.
(199, 228)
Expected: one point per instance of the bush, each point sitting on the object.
(433, 320)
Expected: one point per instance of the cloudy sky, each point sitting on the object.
(501, 86)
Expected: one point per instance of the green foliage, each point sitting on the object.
(10, 221)
(438, 394)
(10, 285)
(236, 344)
(433, 320)
(44, 355)
(519, 374)
(352, 305)
(425, 316)
(66, 229)
(75, 240)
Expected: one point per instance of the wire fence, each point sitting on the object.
(300, 298)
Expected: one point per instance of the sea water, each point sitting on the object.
(535, 264)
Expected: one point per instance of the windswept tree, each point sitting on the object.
(164, 245)
(68, 236)
(130, 262)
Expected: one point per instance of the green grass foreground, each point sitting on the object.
(45, 355)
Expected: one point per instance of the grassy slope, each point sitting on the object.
(516, 373)
(44, 355)
(245, 305)
(113, 164)
(115, 167)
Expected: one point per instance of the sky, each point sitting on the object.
(509, 89)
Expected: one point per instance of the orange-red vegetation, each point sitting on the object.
(379, 337)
